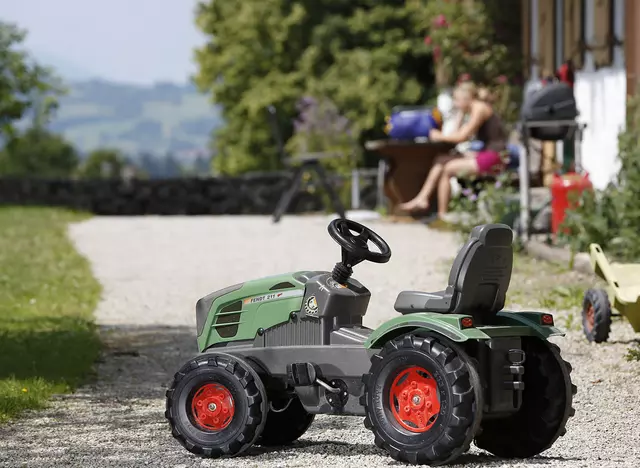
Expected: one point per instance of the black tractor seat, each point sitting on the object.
(478, 281)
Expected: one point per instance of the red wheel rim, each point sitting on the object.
(414, 399)
(591, 317)
(212, 407)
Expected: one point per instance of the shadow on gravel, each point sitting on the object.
(316, 447)
(625, 342)
(483, 459)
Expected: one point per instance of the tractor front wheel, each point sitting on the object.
(546, 406)
(216, 405)
(423, 400)
(596, 315)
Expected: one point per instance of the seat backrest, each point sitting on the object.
(481, 272)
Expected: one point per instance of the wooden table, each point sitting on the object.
(409, 163)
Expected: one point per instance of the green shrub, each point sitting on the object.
(102, 163)
(494, 204)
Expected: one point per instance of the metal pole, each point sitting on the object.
(355, 189)
(524, 188)
(382, 170)
(577, 142)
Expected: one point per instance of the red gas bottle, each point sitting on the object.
(564, 189)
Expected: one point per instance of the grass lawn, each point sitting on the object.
(48, 341)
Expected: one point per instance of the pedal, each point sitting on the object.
(301, 374)
(305, 374)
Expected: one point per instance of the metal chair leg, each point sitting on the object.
(335, 199)
(287, 196)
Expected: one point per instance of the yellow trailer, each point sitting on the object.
(622, 296)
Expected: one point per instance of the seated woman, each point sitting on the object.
(487, 128)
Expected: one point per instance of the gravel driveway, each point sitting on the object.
(154, 269)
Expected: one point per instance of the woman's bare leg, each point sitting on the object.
(421, 200)
(466, 166)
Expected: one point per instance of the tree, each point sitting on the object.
(363, 55)
(38, 152)
(202, 165)
(150, 165)
(102, 163)
(24, 85)
(474, 40)
(320, 128)
(171, 166)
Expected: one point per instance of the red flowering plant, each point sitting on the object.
(465, 47)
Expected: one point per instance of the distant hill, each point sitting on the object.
(66, 69)
(154, 119)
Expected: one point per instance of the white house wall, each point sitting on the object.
(601, 97)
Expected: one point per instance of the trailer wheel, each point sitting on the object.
(546, 406)
(287, 421)
(596, 315)
(423, 400)
(216, 406)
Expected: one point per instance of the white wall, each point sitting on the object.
(601, 97)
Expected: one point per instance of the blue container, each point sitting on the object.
(409, 124)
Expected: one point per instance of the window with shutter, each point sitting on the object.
(546, 36)
(574, 32)
(602, 45)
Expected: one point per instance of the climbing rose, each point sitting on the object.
(464, 77)
(441, 21)
(428, 40)
(502, 79)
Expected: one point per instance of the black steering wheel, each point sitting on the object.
(354, 239)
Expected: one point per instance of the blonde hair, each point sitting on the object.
(482, 93)
(485, 95)
(469, 88)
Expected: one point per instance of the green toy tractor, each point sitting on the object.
(453, 369)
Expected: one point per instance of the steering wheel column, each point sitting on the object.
(354, 240)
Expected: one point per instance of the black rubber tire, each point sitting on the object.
(546, 406)
(250, 405)
(287, 426)
(460, 394)
(599, 300)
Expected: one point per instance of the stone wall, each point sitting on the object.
(249, 194)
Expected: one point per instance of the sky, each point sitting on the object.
(131, 41)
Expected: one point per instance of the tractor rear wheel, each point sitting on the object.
(423, 400)
(287, 421)
(216, 405)
(546, 406)
(596, 315)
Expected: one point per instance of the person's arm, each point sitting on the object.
(458, 120)
(454, 123)
(466, 131)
